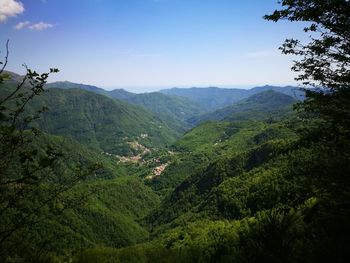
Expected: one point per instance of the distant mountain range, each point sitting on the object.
(110, 120)
(173, 109)
(260, 106)
(214, 98)
(97, 121)
(180, 104)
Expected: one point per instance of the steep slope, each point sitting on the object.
(100, 122)
(109, 217)
(263, 204)
(173, 110)
(258, 106)
(103, 208)
(227, 150)
(78, 155)
(234, 192)
(211, 141)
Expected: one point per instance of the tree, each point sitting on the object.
(324, 148)
(30, 190)
(324, 63)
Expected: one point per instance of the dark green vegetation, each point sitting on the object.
(101, 122)
(97, 121)
(173, 110)
(256, 185)
(184, 108)
(58, 195)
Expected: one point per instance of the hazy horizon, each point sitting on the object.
(155, 88)
(141, 89)
(147, 43)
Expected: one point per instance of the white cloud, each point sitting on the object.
(22, 25)
(34, 27)
(10, 8)
(40, 26)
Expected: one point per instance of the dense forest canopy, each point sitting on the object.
(196, 175)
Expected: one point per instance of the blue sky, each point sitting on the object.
(142, 45)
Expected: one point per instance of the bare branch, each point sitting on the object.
(6, 57)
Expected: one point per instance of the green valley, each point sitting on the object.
(185, 174)
(224, 182)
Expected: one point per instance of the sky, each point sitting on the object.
(144, 45)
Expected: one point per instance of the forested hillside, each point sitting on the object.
(182, 109)
(69, 194)
(183, 175)
(172, 109)
(98, 121)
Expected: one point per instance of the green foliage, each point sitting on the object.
(245, 146)
(51, 202)
(98, 121)
(108, 217)
(288, 199)
(173, 110)
(75, 154)
(28, 185)
(206, 143)
(325, 64)
(270, 188)
(136, 254)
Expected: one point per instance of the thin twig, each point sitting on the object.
(6, 57)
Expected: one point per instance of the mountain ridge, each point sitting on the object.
(262, 103)
(215, 98)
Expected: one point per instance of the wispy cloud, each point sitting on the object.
(10, 8)
(34, 27)
(40, 26)
(22, 25)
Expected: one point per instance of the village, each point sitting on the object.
(139, 158)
